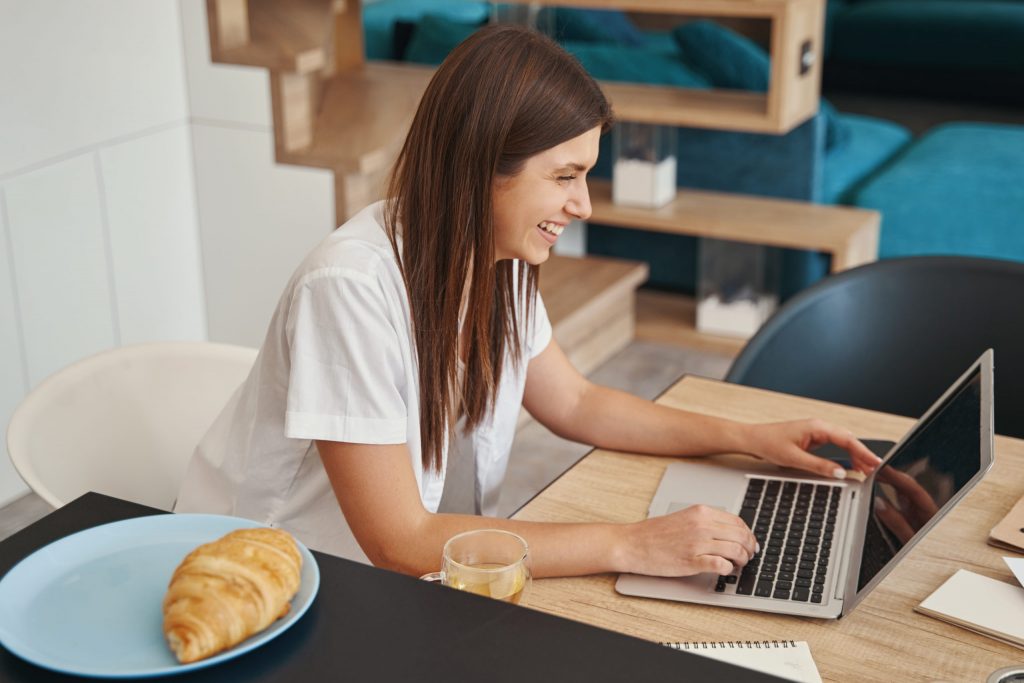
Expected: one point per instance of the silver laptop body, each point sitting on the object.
(832, 540)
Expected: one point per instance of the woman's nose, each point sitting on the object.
(579, 204)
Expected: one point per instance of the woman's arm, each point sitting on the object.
(377, 491)
(569, 405)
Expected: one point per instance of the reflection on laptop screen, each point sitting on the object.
(922, 475)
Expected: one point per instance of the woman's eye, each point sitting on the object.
(566, 178)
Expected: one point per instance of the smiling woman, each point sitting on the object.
(415, 331)
(471, 186)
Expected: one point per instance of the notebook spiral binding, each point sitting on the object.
(732, 644)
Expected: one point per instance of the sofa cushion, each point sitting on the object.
(871, 143)
(435, 36)
(952, 192)
(726, 58)
(593, 26)
(730, 60)
(379, 19)
(634, 65)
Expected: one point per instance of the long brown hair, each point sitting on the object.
(503, 95)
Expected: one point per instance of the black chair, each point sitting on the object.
(893, 335)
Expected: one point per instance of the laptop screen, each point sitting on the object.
(925, 472)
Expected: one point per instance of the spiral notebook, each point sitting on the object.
(783, 658)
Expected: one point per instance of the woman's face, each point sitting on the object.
(532, 208)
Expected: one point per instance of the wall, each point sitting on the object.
(139, 200)
(258, 218)
(97, 205)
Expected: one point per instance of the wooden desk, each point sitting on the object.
(883, 639)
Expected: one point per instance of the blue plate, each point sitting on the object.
(90, 604)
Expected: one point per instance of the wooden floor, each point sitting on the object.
(20, 513)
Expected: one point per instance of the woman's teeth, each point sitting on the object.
(553, 228)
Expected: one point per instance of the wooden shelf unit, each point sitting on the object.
(669, 318)
(591, 304)
(797, 30)
(849, 235)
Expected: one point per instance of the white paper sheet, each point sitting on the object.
(1016, 565)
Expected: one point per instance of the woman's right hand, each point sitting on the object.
(697, 539)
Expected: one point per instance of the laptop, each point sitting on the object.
(826, 544)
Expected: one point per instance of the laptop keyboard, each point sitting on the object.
(794, 523)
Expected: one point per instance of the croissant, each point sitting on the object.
(225, 591)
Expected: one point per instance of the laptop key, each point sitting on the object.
(764, 589)
(746, 584)
(731, 578)
(780, 594)
(800, 594)
(816, 597)
(803, 583)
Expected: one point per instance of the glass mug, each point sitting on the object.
(488, 562)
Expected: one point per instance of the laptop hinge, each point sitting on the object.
(844, 565)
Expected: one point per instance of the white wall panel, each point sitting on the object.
(258, 219)
(222, 92)
(12, 370)
(81, 72)
(63, 276)
(154, 237)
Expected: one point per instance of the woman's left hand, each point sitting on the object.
(787, 444)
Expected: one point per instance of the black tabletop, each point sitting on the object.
(371, 624)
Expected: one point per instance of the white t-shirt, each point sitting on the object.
(339, 364)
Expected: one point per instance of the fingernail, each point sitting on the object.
(757, 548)
(839, 473)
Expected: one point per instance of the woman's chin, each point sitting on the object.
(539, 257)
(534, 257)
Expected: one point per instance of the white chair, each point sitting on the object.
(123, 422)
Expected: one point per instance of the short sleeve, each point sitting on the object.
(347, 367)
(539, 335)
